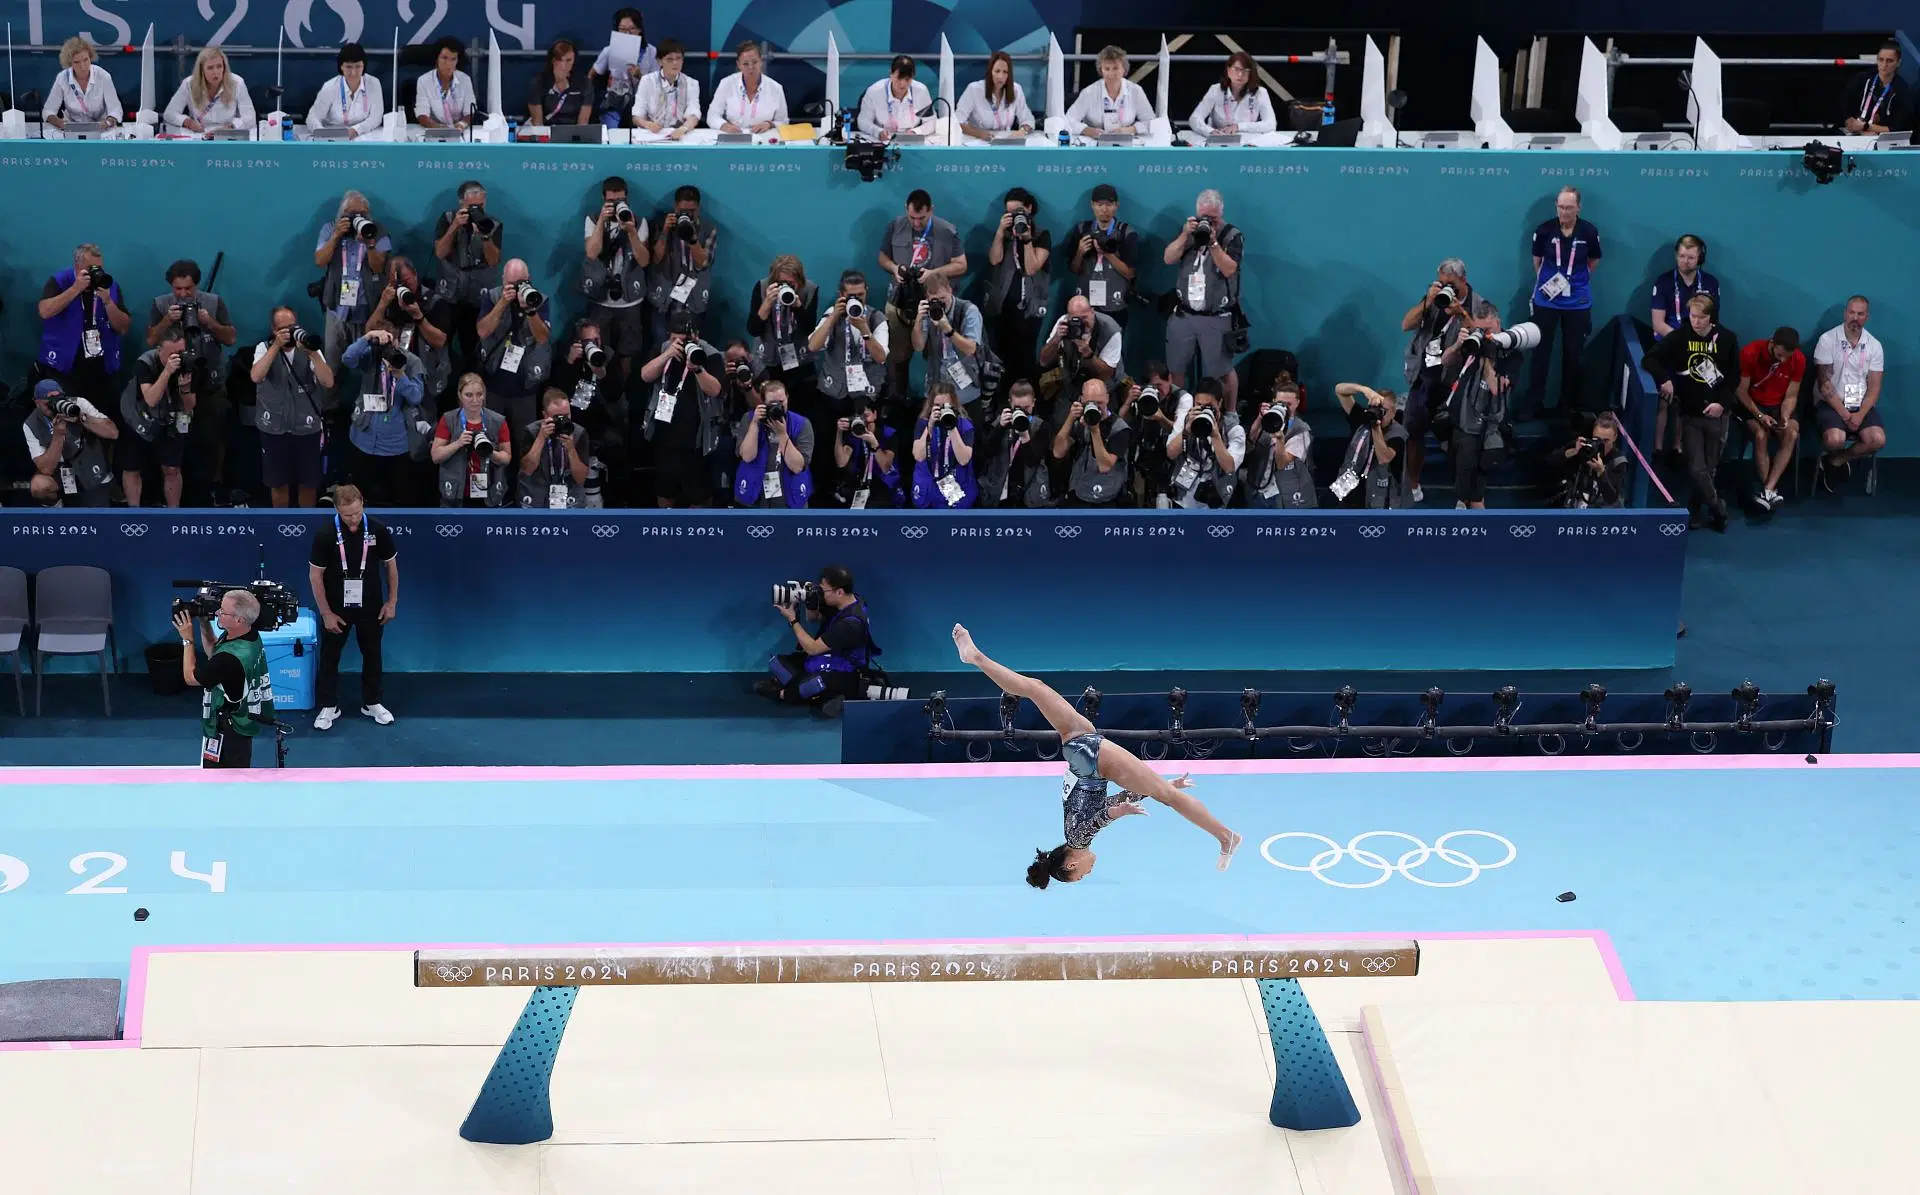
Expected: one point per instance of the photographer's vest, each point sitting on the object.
(959, 490)
(415, 422)
(1380, 487)
(1031, 485)
(1433, 338)
(679, 285)
(1087, 481)
(1105, 332)
(1200, 287)
(948, 363)
(536, 488)
(467, 276)
(362, 305)
(210, 350)
(513, 331)
(750, 477)
(883, 487)
(680, 397)
(1198, 474)
(1114, 290)
(1477, 411)
(614, 277)
(150, 422)
(84, 453)
(1291, 484)
(783, 331)
(906, 248)
(1007, 280)
(453, 470)
(845, 355)
(255, 706)
(288, 400)
(856, 658)
(62, 336)
(436, 364)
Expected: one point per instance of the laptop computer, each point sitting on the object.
(1010, 137)
(443, 134)
(577, 134)
(83, 130)
(230, 135)
(1117, 139)
(733, 138)
(329, 134)
(1223, 139)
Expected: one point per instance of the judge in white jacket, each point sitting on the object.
(667, 100)
(893, 105)
(1112, 105)
(82, 91)
(213, 97)
(351, 100)
(994, 106)
(1236, 104)
(747, 101)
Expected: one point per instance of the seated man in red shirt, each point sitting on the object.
(1770, 373)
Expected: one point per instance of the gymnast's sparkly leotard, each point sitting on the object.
(1084, 797)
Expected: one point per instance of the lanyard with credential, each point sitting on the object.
(1869, 103)
(1116, 109)
(672, 97)
(346, 102)
(73, 85)
(1678, 302)
(366, 546)
(446, 99)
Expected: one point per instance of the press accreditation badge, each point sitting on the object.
(789, 357)
(857, 381)
(90, 345)
(663, 406)
(1186, 475)
(1853, 392)
(1345, 484)
(1435, 351)
(349, 292)
(210, 749)
(353, 593)
(859, 499)
(476, 485)
(1556, 287)
(957, 374)
(373, 404)
(770, 484)
(950, 490)
(182, 420)
(1197, 290)
(406, 340)
(681, 289)
(1707, 371)
(69, 484)
(558, 498)
(1097, 292)
(510, 360)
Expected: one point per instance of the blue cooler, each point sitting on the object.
(293, 661)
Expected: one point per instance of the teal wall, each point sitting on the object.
(1340, 242)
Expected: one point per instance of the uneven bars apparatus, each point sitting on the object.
(514, 1106)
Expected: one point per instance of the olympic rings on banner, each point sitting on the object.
(1406, 866)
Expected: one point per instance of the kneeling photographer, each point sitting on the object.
(1367, 476)
(553, 470)
(832, 665)
(1596, 467)
(157, 406)
(237, 700)
(66, 437)
(1279, 469)
(1471, 416)
(1016, 454)
(1204, 451)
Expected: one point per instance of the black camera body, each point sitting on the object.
(278, 604)
(797, 593)
(1589, 451)
(478, 220)
(685, 226)
(1373, 414)
(936, 310)
(187, 311)
(393, 356)
(1076, 327)
(98, 279)
(1022, 226)
(1203, 230)
(740, 372)
(563, 425)
(777, 412)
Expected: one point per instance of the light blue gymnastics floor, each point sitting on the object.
(1776, 880)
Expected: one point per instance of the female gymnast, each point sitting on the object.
(1091, 762)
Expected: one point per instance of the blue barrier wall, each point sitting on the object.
(1339, 242)
(640, 591)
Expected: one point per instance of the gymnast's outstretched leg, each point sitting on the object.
(1065, 720)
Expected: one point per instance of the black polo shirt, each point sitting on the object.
(331, 541)
(1889, 105)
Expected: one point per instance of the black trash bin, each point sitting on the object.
(163, 669)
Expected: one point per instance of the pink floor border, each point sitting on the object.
(945, 771)
(143, 955)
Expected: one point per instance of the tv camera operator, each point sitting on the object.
(1279, 465)
(832, 665)
(1699, 368)
(66, 437)
(1596, 467)
(158, 407)
(1015, 454)
(1204, 451)
(1473, 415)
(237, 693)
(1366, 471)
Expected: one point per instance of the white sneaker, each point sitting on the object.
(1773, 499)
(378, 713)
(325, 718)
(1418, 495)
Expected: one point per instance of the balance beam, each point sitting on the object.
(514, 1106)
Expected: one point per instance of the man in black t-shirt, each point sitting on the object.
(827, 668)
(348, 593)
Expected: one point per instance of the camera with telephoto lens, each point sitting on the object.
(797, 593)
(363, 227)
(855, 308)
(785, 295)
(593, 354)
(1022, 423)
(945, 417)
(1274, 421)
(697, 355)
(776, 412)
(685, 226)
(187, 311)
(98, 279)
(1500, 344)
(856, 426)
(1203, 230)
(393, 356)
(306, 341)
(66, 408)
(1147, 403)
(404, 297)
(482, 442)
(278, 604)
(1201, 429)
(530, 298)
(563, 425)
(740, 372)
(1022, 225)
(186, 358)
(622, 216)
(1092, 416)
(479, 221)
(1445, 298)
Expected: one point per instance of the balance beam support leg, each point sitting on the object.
(1309, 1092)
(514, 1107)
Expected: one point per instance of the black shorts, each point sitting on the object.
(290, 461)
(623, 330)
(234, 751)
(167, 450)
(680, 475)
(1830, 420)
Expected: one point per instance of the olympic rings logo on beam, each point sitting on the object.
(1408, 864)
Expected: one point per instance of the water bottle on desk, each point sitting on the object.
(286, 128)
(1326, 112)
(1066, 138)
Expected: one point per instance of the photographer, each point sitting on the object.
(1017, 283)
(943, 453)
(348, 596)
(1207, 253)
(1205, 450)
(1095, 442)
(352, 249)
(237, 698)
(389, 423)
(599, 405)
(82, 318)
(827, 668)
(1698, 367)
(1016, 454)
(1279, 471)
(1106, 253)
(1367, 475)
(682, 277)
(866, 471)
(421, 321)
(209, 332)
(158, 406)
(1151, 409)
(1084, 344)
(775, 448)
(947, 331)
(66, 437)
(615, 277)
(471, 449)
(515, 353)
(290, 375)
(1476, 410)
(850, 344)
(686, 417)
(782, 313)
(553, 470)
(466, 243)
(915, 246)
(1436, 321)
(1596, 467)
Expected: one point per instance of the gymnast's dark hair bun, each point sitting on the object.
(1048, 865)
